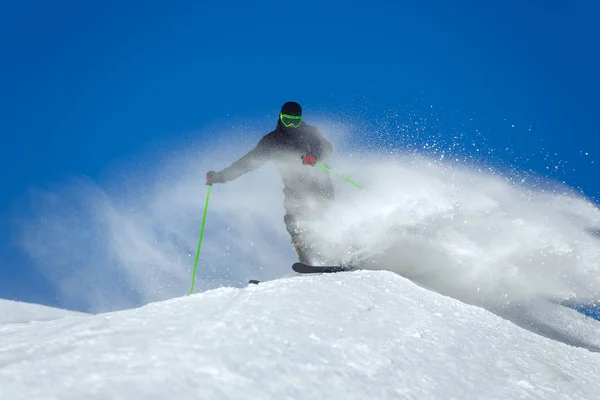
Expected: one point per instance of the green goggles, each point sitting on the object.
(290, 121)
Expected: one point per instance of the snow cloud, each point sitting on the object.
(463, 231)
(468, 232)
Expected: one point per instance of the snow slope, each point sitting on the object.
(359, 335)
(18, 312)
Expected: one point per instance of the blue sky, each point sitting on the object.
(85, 84)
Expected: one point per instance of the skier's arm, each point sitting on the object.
(252, 160)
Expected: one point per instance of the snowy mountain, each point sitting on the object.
(358, 335)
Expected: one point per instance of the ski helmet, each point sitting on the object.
(291, 115)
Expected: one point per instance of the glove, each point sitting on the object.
(309, 160)
(213, 177)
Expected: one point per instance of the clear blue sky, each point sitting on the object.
(83, 83)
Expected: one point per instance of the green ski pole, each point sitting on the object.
(338, 175)
(200, 239)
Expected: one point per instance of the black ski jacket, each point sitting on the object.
(285, 147)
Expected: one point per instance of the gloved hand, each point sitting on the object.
(309, 160)
(213, 177)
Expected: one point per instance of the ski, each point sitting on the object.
(253, 282)
(302, 268)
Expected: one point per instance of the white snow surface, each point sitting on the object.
(358, 335)
(19, 312)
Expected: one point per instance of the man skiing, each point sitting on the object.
(292, 146)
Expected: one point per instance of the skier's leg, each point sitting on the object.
(299, 240)
(302, 209)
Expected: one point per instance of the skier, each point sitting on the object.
(292, 146)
